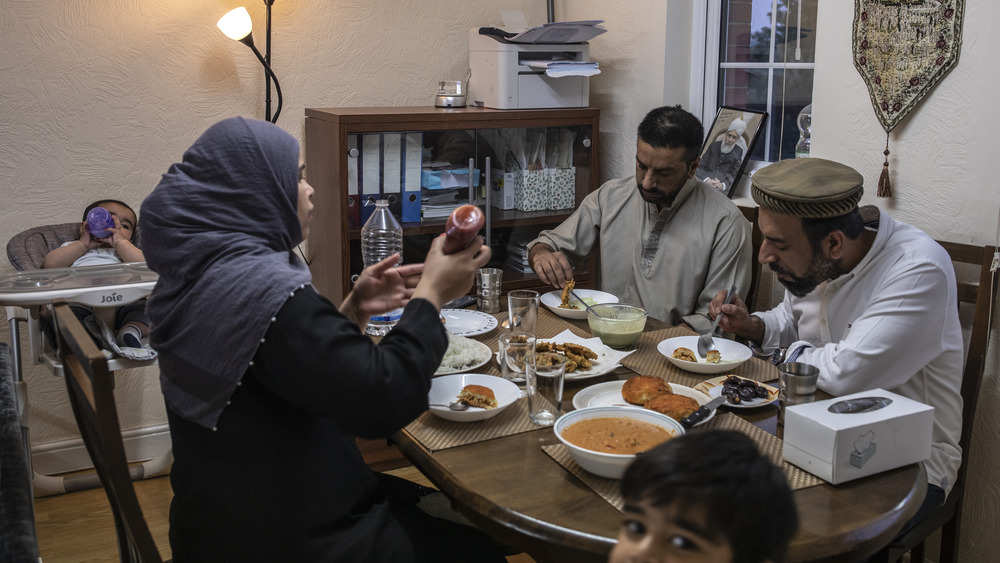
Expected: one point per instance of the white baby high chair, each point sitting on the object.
(27, 297)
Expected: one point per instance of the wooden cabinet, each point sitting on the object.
(354, 153)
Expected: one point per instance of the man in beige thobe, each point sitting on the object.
(668, 241)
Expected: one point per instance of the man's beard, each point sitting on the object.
(658, 197)
(726, 149)
(820, 269)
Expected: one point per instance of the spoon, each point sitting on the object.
(455, 406)
(506, 324)
(589, 308)
(705, 342)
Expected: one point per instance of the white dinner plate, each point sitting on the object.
(607, 358)
(603, 365)
(445, 389)
(733, 354)
(772, 395)
(465, 322)
(552, 300)
(484, 353)
(609, 394)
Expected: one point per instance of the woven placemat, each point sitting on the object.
(435, 433)
(608, 489)
(769, 445)
(647, 360)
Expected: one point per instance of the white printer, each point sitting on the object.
(500, 80)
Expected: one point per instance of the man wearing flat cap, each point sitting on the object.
(872, 306)
(667, 241)
(721, 161)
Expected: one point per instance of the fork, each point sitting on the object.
(705, 342)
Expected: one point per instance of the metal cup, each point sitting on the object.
(488, 282)
(796, 385)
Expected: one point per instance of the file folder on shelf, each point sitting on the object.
(392, 157)
(353, 202)
(370, 166)
(411, 164)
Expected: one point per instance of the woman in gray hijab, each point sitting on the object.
(267, 384)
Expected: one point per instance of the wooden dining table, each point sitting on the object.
(512, 489)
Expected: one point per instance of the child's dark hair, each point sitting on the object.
(135, 228)
(744, 496)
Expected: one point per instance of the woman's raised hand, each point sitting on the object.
(449, 276)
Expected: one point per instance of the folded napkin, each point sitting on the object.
(607, 358)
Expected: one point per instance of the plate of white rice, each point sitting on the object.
(463, 354)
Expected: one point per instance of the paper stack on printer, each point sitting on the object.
(547, 33)
(560, 67)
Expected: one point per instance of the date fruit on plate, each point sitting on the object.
(463, 225)
(737, 389)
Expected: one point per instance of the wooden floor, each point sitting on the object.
(78, 527)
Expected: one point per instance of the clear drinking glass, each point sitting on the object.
(544, 379)
(515, 349)
(522, 308)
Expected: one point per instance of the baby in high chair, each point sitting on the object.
(106, 245)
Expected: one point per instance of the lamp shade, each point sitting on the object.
(236, 24)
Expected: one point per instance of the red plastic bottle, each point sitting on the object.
(463, 225)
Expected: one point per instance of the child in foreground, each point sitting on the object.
(707, 496)
(131, 323)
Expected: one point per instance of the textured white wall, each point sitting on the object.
(637, 72)
(943, 183)
(98, 99)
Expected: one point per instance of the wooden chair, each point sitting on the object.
(90, 386)
(981, 296)
(756, 239)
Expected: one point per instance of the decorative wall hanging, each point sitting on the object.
(902, 49)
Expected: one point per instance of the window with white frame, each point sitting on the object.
(760, 55)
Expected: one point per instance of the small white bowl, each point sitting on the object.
(609, 465)
(733, 354)
(552, 300)
(445, 390)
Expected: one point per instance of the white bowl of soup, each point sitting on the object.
(605, 440)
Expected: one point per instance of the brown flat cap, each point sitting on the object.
(807, 187)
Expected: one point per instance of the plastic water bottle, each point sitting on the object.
(100, 222)
(381, 237)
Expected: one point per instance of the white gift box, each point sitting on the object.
(856, 435)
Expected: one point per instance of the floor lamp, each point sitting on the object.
(238, 25)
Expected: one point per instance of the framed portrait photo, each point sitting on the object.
(728, 146)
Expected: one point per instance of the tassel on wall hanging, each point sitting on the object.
(902, 49)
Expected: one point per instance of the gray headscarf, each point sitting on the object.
(219, 229)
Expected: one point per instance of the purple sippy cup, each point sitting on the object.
(99, 222)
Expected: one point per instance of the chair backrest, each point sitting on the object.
(756, 239)
(980, 294)
(91, 395)
(27, 249)
(18, 542)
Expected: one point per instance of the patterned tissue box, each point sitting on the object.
(562, 188)
(531, 193)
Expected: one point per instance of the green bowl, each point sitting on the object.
(619, 325)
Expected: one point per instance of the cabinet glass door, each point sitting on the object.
(524, 179)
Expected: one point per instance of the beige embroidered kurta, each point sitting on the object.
(670, 262)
